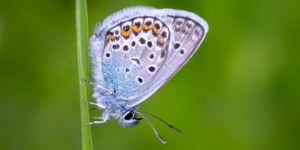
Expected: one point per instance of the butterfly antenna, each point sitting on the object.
(159, 137)
(161, 120)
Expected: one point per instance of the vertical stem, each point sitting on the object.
(83, 60)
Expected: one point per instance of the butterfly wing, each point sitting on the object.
(125, 51)
(100, 41)
(135, 51)
(187, 33)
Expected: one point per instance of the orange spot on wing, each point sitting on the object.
(161, 40)
(111, 37)
(136, 29)
(155, 30)
(126, 33)
(147, 27)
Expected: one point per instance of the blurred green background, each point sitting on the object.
(239, 91)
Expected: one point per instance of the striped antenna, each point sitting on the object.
(160, 120)
(159, 137)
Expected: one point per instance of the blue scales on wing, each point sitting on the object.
(134, 52)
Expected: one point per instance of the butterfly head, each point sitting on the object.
(129, 118)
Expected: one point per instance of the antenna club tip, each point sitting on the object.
(175, 129)
(161, 139)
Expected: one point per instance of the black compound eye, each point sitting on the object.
(129, 116)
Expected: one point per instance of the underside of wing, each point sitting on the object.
(101, 38)
(134, 52)
(187, 33)
(137, 50)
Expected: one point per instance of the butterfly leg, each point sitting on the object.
(92, 78)
(98, 117)
(95, 108)
(99, 105)
(98, 122)
(98, 86)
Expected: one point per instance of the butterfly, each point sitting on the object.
(134, 52)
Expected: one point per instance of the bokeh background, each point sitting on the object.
(239, 91)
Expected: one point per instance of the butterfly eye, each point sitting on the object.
(129, 118)
(129, 115)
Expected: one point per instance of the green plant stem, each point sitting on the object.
(83, 60)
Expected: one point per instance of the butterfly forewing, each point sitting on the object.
(134, 52)
(186, 37)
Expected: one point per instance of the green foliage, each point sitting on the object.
(83, 60)
(239, 91)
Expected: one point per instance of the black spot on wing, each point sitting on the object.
(149, 43)
(182, 51)
(151, 68)
(148, 23)
(151, 56)
(136, 60)
(138, 24)
(133, 43)
(197, 32)
(140, 80)
(125, 48)
(176, 45)
(178, 22)
(163, 53)
(189, 25)
(142, 41)
(116, 46)
(126, 28)
(157, 26)
(164, 34)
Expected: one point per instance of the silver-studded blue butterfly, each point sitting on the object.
(134, 52)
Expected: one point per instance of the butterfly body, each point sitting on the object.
(136, 51)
